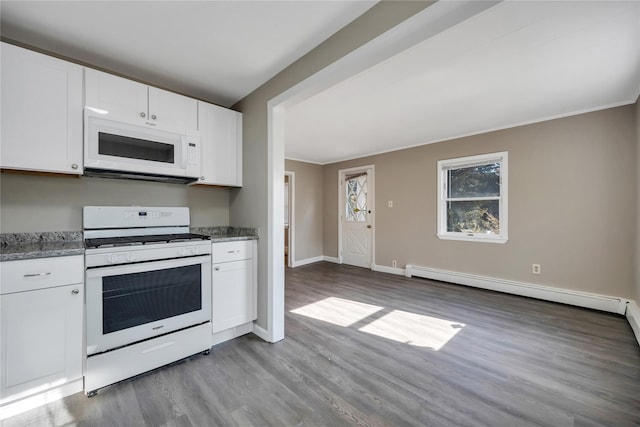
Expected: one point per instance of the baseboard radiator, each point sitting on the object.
(581, 299)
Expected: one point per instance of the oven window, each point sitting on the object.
(130, 300)
(134, 148)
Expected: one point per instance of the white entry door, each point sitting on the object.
(356, 216)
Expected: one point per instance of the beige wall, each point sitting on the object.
(54, 203)
(308, 225)
(637, 194)
(249, 205)
(571, 208)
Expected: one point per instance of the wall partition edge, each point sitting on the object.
(421, 26)
(633, 316)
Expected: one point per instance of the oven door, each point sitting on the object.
(134, 302)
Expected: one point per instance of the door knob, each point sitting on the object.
(368, 226)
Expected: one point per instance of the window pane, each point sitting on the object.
(356, 198)
(475, 181)
(477, 216)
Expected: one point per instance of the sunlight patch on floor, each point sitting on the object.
(414, 329)
(42, 395)
(338, 311)
(402, 326)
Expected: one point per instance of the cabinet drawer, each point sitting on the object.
(31, 274)
(232, 251)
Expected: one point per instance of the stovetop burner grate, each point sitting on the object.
(104, 242)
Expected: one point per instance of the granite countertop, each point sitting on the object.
(227, 234)
(17, 246)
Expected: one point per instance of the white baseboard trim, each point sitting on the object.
(566, 296)
(261, 332)
(231, 333)
(306, 261)
(31, 402)
(330, 259)
(633, 316)
(390, 270)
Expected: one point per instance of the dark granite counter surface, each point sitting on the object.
(227, 234)
(18, 246)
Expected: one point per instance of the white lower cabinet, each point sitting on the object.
(41, 329)
(234, 284)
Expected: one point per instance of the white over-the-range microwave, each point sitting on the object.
(120, 149)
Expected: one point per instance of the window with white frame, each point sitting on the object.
(472, 202)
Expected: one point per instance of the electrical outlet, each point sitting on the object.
(535, 268)
(394, 263)
(390, 203)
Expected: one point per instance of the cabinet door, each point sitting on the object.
(41, 112)
(234, 294)
(41, 337)
(172, 111)
(221, 142)
(122, 99)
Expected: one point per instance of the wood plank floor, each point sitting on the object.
(391, 351)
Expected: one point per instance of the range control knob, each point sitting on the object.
(111, 259)
(131, 257)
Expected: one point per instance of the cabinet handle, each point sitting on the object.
(37, 274)
(153, 116)
(202, 178)
(142, 114)
(216, 268)
(74, 166)
(75, 292)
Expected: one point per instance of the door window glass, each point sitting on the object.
(356, 197)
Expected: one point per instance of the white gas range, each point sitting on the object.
(148, 291)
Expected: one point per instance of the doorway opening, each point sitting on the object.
(289, 218)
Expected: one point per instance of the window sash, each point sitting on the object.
(444, 167)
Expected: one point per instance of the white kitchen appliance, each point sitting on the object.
(148, 291)
(118, 149)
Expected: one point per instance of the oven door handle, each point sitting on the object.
(112, 270)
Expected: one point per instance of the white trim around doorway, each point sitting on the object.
(423, 25)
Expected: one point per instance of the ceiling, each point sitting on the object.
(517, 62)
(219, 51)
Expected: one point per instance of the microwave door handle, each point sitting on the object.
(185, 145)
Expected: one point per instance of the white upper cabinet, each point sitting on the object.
(172, 110)
(221, 145)
(41, 104)
(138, 103)
(123, 99)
